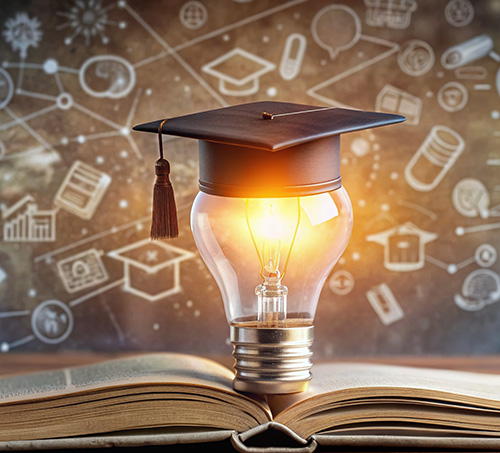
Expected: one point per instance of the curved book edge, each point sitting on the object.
(273, 437)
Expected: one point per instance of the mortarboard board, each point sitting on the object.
(268, 149)
(295, 153)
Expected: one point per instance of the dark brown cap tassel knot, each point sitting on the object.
(164, 216)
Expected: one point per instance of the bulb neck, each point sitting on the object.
(273, 360)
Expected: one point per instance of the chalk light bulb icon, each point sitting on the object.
(270, 221)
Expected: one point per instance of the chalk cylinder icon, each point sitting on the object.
(467, 52)
(434, 158)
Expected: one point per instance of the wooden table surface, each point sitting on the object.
(14, 363)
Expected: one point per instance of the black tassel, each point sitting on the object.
(164, 223)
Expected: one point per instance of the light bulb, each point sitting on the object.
(270, 258)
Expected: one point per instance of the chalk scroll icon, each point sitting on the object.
(341, 282)
(151, 269)
(52, 322)
(393, 100)
(24, 222)
(293, 55)
(238, 72)
(480, 288)
(81, 271)
(6, 88)
(434, 158)
(459, 13)
(336, 28)
(416, 58)
(404, 246)
(385, 304)
(82, 190)
(22, 32)
(394, 14)
(193, 15)
(107, 76)
(471, 198)
(466, 52)
(452, 96)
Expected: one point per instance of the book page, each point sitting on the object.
(145, 391)
(351, 393)
(339, 376)
(150, 368)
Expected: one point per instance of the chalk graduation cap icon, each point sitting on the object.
(238, 72)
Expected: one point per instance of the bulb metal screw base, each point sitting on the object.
(272, 360)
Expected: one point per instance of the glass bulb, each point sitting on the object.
(271, 256)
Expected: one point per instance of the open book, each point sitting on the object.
(170, 398)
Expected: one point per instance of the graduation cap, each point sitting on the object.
(261, 149)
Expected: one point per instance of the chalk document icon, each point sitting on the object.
(436, 155)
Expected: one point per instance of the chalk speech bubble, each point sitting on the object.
(336, 28)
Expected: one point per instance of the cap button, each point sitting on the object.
(267, 116)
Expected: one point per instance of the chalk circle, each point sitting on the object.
(453, 96)
(341, 282)
(193, 15)
(459, 13)
(64, 101)
(336, 28)
(52, 321)
(111, 76)
(6, 88)
(416, 58)
(360, 146)
(486, 255)
(50, 66)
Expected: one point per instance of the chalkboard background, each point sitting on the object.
(420, 274)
